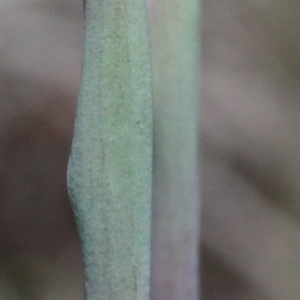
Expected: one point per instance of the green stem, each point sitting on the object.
(109, 173)
(175, 53)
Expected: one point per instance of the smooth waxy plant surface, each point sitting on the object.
(175, 232)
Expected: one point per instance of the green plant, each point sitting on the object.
(175, 231)
(110, 165)
(109, 174)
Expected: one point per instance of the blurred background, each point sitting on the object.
(249, 136)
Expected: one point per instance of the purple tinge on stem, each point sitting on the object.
(149, 3)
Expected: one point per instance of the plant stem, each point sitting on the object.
(175, 231)
(109, 174)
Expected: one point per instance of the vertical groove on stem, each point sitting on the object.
(175, 231)
(109, 174)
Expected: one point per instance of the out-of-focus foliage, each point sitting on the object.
(40, 52)
(249, 139)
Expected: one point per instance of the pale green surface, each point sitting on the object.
(175, 37)
(110, 165)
